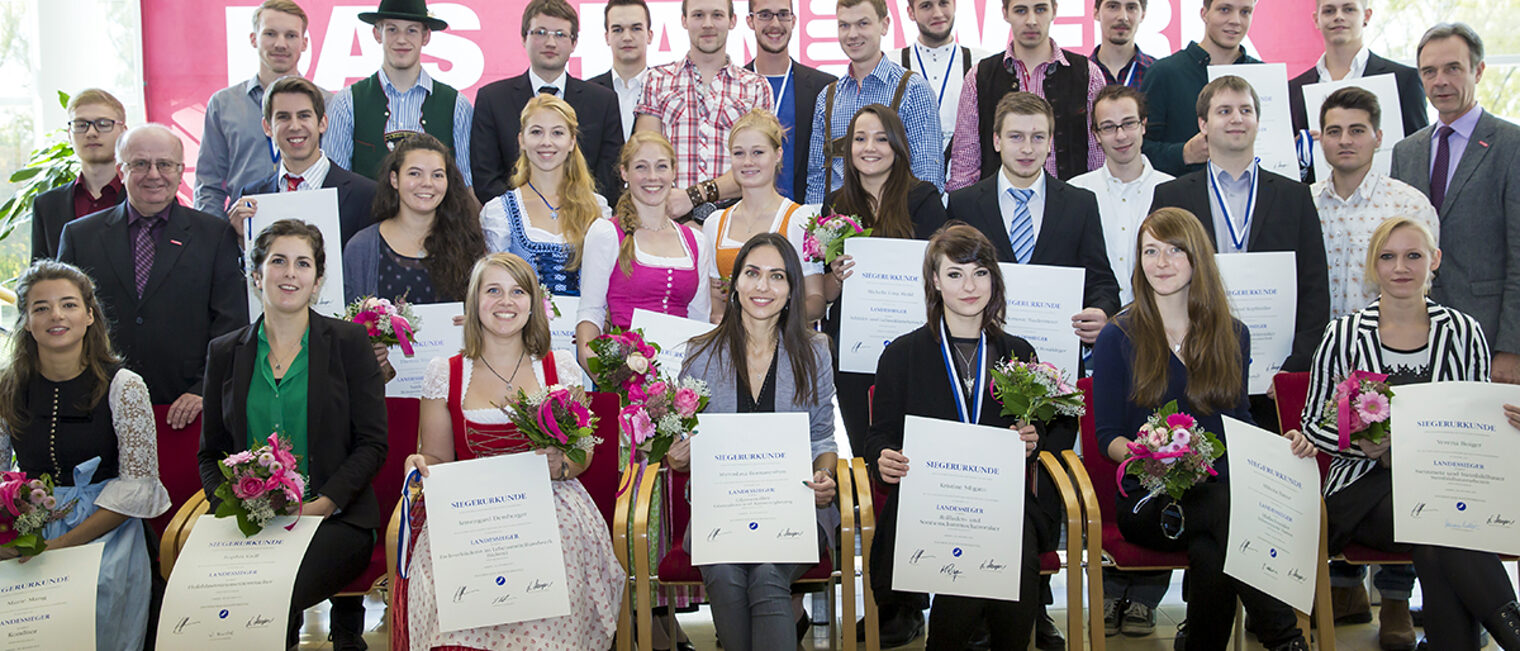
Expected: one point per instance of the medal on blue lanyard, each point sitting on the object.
(1238, 238)
(948, 67)
(955, 379)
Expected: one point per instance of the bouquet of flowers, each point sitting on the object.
(388, 323)
(28, 506)
(1359, 409)
(668, 409)
(260, 485)
(824, 235)
(1034, 391)
(624, 363)
(549, 307)
(1171, 453)
(556, 417)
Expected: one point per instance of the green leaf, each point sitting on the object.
(24, 174)
(576, 456)
(246, 525)
(658, 448)
(63, 99)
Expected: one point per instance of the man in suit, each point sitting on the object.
(1172, 141)
(1467, 165)
(550, 29)
(295, 118)
(1278, 215)
(628, 35)
(169, 277)
(1340, 23)
(96, 120)
(793, 86)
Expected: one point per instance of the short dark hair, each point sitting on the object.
(1448, 30)
(1353, 97)
(1114, 93)
(553, 9)
(1227, 82)
(291, 228)
(294, 84)
(960, 243)
(1144, 4)
(607, 11)
(1022, 103)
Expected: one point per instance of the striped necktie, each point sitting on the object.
(1021, 233)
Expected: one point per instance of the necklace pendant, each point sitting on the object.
(554, 215)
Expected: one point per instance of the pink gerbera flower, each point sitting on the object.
(1372, 407)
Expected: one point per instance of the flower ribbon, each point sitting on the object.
(1343, 406)
(1139, 451)
(403, 330)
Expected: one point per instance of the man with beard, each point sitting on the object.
(1117, 56)
(793, 85)
(96, 120)
(939, 58)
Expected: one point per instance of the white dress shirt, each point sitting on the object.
(538, 82)
(1358, 66)
(1121, 207)
(1007, 205)
(628, 93)
(1348, 225)
(311, 179)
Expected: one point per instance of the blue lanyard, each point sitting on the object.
(781, 94)
(948, 68)
(1134, 66)
(955, 378)
(1238, 239)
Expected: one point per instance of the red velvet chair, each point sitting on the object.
(178, 468)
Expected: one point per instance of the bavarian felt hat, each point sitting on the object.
(404, 10)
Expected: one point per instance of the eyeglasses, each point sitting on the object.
(103, 125)
(1108, 129)
(765, 16)
(558, 34)
(165, 167)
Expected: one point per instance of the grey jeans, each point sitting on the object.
(752, 604)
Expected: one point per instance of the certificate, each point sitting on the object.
(749, 503)
(1274, 515)
(671, 333)
(1387, 90)
(318, 208)
(497, 557)
(562, 327)
(49, 601)
(1454, 480)
(437, 336)
(1041, 301)
(1263, 291)
(230, 591)
(960, 510)
(1274, 124)
(882, 300)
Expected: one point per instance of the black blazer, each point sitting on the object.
(1284, 220)
(1071, 233)
(356, 197)
(808, 83)
(346, 431)
(195, 292)
(50, 211)
(498, 118)
(1411, 96)
(911, 380)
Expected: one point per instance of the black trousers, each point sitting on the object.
(1210, 593)
(338, 554)
(853, 392)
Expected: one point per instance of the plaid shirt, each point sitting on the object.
(1132, 73)
(697, 116)
(920, 116)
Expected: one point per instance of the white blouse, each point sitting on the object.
(435, 383)
(498, 229)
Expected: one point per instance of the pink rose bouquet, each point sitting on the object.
(26, 506)
(668, 410)
(1359, 409)
(1171, 453)
(260, 485)
(556, 417)
(824, 235)
(388, 323)
(550, 308)
(624, 363)
(1034, 391)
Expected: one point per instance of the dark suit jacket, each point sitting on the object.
(1480, 225)
(1411, 96)
(807, 84)
(50, 211)
(1071, 233)
(356, 197)
(345, 413)
(1284, 220)
(498, 118)
(195, 292)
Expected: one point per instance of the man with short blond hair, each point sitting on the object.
(96, 120)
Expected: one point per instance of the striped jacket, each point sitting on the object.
(1458, 352)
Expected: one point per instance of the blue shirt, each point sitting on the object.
(786, 112)
(406, 115)
(920, 116)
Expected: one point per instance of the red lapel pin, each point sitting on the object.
(1485, 145)
(177, 242)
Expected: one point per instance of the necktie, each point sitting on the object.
(549, 89)
(1438, 170)
(292, 183)
(143, 251)
(1021, 233)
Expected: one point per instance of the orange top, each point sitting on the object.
(726, 256)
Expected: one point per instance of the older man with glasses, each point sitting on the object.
(96, 119)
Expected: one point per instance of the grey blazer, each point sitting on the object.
(1480, 225)
(711, 366)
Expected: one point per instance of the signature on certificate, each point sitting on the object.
(918, 555)
(258, 621)
(462, 592)
(537, 586)
(991, 565)
(788, 533)
(950, 570)
(184, 623)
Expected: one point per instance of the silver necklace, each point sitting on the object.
(515, 369)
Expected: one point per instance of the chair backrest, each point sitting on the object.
(402, 417)
(1292, 391)
(178, 467)
(601, 478)
(1100, 469)
(677, 514)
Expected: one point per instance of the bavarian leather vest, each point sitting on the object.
(372, 111)
(1065, 89)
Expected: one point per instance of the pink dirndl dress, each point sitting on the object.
(591, 569)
